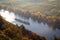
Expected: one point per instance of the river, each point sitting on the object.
(42, 29)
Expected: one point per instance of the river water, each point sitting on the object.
(40, 28)
(34, 26)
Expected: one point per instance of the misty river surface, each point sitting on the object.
(39, 28)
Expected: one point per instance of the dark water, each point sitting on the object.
(42, 29)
